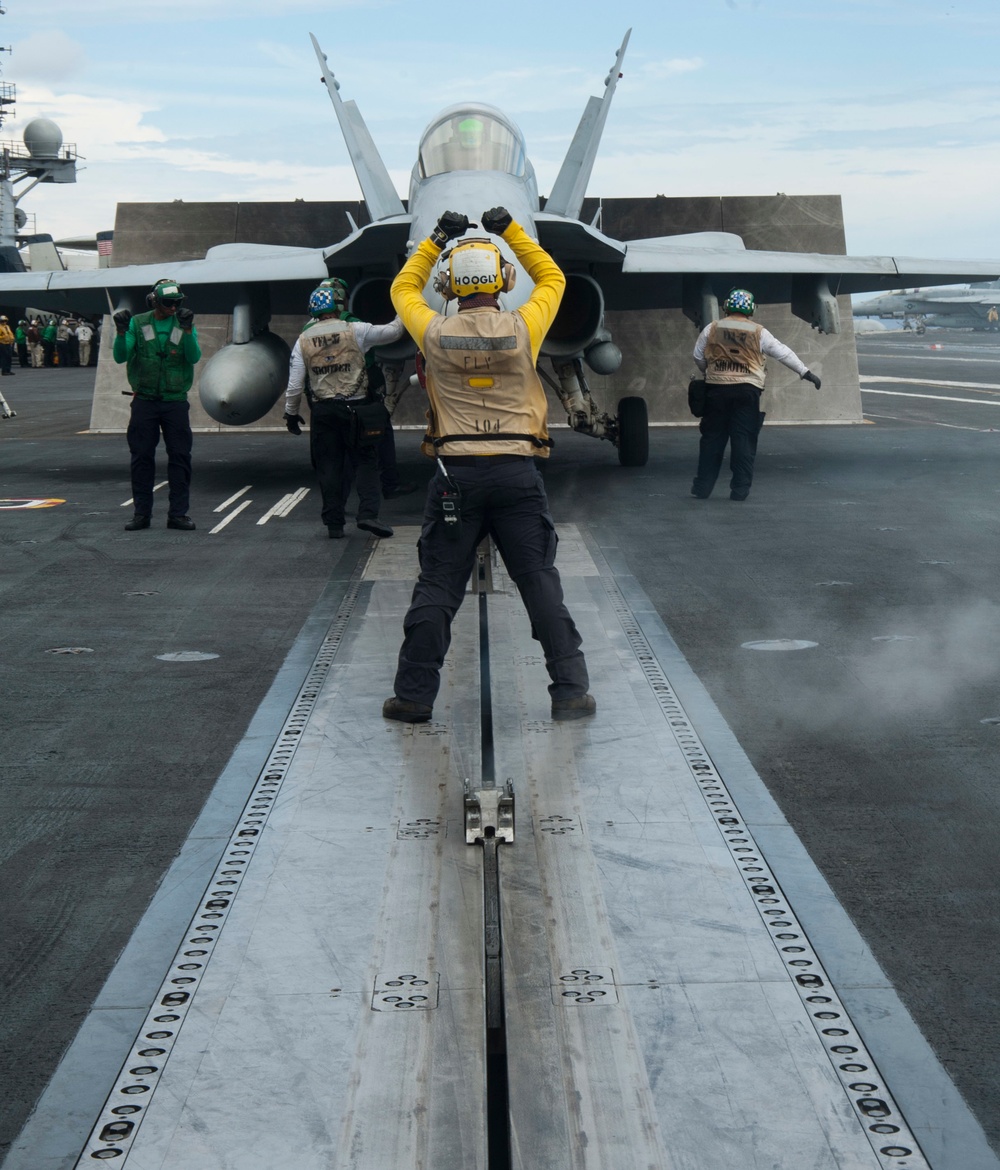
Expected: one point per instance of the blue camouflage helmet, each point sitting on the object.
(740, 301)
(321, 300)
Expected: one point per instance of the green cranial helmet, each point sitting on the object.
(338, 287)
(740, 301)
(168, 292)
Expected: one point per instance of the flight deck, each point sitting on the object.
(497, 941)
(319, 967)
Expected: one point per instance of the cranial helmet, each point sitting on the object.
(474, 266)
(322, 301)
(168, 291)
(338, 286)
(740, 301)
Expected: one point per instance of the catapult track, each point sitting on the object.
(623, 984)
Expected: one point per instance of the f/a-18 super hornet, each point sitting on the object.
(471, 157)
(957, 308)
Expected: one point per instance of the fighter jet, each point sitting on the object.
(957, 308)
(472, 157)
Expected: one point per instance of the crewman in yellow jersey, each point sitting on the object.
(486, 424)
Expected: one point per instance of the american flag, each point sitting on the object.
(105, 240)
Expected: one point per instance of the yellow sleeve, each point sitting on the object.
(407, 291)
(539, 311)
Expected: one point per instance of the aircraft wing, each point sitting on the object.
(681, 271)
(212, 285)
(852, 274)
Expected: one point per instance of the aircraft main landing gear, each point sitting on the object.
(628, 430)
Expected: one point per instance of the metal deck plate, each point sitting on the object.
(651, 1018)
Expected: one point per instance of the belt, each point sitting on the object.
(480, 460)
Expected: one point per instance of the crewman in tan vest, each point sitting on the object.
(486, 423)
(328, 364)
(730, 353)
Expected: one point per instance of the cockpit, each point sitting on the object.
(471, 138)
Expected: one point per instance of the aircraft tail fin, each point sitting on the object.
(376, 186)
(42, 254)
(570, 187)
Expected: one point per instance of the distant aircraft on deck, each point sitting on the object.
(957, 308)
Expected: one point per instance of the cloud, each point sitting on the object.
(47, 57)
(673, 67)
(97, 125)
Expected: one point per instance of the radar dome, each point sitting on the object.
(43, 138)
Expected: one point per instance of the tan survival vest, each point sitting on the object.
(485, 395)
(334, 361)
(733, 353)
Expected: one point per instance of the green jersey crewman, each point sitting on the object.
(159, 349)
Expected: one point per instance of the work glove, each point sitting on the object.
(121, 320)
(497, 220)
(449, 227)
(185, 318)
(294, 423)
(809, 376)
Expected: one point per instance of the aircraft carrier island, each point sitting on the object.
(745, 915)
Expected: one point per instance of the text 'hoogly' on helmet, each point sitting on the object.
(740, 301)
(475, 266)
(168, 291)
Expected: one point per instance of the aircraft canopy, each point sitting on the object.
(471, 138)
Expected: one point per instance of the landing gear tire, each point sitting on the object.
(633, 432)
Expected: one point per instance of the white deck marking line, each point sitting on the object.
(232, 516)
(155, 489)
(273, 510)
(984, 386)
(932, 397)
(297, 498)
(232, 499)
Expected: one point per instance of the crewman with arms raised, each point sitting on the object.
(160, 350)
(487, 422)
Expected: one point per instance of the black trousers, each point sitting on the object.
(732, 415)
(504, 498)
(333, 452)
(147, 420)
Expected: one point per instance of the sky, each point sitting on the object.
(892, 104)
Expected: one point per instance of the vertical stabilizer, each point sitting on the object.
(376, 186)
(570, 187)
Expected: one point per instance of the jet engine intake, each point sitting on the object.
(579, 322)
(241, 383)
(370, 301)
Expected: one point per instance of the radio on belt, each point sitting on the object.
(451, 504)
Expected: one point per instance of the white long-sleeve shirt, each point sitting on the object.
(367, 336)
(770, 346)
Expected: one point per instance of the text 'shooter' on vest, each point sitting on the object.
(156, 368)
(334, 361)
(733, 353)
(485, 395)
